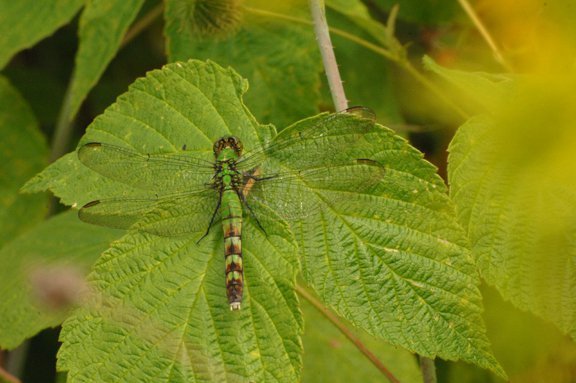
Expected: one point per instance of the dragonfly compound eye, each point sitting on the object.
(219, 145)
(237, 145)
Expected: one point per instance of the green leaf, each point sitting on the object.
(330, 357)
(25, 22)
(53, 255)
(512, 178)
(481, 92)
(393, 261)
(23, 152)
(159, 309)
(102, 27)
(280, 58)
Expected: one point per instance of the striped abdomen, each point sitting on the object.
(231, 212)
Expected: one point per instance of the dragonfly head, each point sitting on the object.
(228, 142)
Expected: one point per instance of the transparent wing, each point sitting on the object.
(153, 172)
(169, 216)
(303, 193)
(326, 141)
(329, 153)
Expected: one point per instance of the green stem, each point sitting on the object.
(428, 369)
(142, 23)
(347, 333)
(328, 57)
(471, 13)
(61, 377)
(16, 361)
(64, 126)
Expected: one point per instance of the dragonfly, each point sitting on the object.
(186, 194)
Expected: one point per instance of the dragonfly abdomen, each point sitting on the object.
(232, 227)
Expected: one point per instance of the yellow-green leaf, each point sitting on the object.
(25, 22)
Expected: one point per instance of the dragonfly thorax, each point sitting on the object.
(227, 147)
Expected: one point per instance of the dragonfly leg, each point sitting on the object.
(212, 219)
(253, 175)
(243, 199)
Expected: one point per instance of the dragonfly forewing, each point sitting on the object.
(152, 172)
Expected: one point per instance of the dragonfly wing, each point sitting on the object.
(169, 216)
(330, 140)
(117, 213)
(300, 194)
(152, 172)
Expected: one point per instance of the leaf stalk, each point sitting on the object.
(347, 333)
(428, 369)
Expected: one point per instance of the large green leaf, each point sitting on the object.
(41, 270)
(25, 22)
(512, 178)
(514, 186)
(23, 152)
(395, 262)
(160, 311)
(280, 58)
(102, 27)
(390, 258)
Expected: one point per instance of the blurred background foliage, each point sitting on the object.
(531, 44)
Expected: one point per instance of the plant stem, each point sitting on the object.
(142, 23)
(347, 333)
(485, 34)
(63, 127)
(16, 360)
(328, 57)
(61, 377)
(428, 369)
(8, 378)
